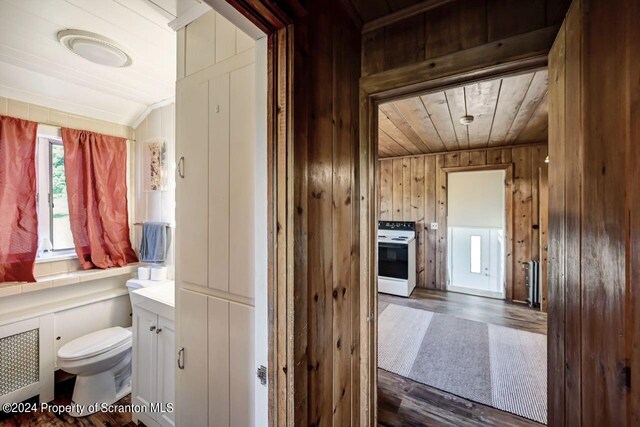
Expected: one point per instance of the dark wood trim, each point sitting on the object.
(511, 55)
(403, 14)
(474, 168)
(269, 16)
(467, 150)
(276, 20)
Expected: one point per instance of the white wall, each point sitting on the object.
(476, 199)
(158, 205)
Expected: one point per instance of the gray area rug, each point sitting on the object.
(497, 366)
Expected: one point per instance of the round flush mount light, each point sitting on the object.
(95, 48)
(466, 120)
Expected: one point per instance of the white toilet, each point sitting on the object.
(101, 362)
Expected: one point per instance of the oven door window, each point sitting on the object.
(393, 260)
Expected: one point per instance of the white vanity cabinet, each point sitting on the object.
(154, 361)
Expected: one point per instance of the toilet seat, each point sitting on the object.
(95, 344)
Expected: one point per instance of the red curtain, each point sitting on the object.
(96, 172)
(18, 212)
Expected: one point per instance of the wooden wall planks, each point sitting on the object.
(593, 217)
(414, 189)
(459, 25)
(326, 387)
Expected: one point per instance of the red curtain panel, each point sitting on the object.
(18, 213)
(96, 172)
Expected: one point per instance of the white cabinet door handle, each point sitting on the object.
(181, 167)
(181, 358)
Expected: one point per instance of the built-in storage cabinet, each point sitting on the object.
(216, 373)
(215, 187)
(192, 193)
(153, 368)
(215, 155)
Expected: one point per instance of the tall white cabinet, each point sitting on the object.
(215, 155)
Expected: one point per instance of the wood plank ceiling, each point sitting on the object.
(507, 111)
(368, 10)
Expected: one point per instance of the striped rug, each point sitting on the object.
(497, 366)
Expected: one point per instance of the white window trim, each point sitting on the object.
(44, 217)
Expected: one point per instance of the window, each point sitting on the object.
(54, 229)
(476, 254)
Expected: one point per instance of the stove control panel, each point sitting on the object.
(397, 225)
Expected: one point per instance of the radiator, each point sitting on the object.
(19, 361)
(532, 281)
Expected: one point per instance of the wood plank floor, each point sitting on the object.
(63, 392)
(403, 402)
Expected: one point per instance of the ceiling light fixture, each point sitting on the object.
(95, 48)
(466, 120)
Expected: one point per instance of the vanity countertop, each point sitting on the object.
(156, 299)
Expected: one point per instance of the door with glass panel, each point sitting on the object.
(476, 232)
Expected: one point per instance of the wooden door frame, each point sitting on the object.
(508, 216)
(519, 54)
(277, 22)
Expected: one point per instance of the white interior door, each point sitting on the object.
(470, 258)
(476, 218)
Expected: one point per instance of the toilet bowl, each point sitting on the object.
(101, 362)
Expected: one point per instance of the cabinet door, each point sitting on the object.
(219, 183)
(241, 365)
(145, 349)
(192, 182)
(166, 370)
(191, 392)
(219, 361)
(242, 155)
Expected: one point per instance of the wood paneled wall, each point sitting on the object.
(594, 224)
(456, 26)
(326, 217)
(415, 189)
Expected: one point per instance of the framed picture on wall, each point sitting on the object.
(154, 166)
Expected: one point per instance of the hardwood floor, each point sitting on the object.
(63, 392)
(403, 402)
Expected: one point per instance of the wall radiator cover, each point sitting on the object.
(19, 361)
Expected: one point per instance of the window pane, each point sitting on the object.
(60, 227)
(476, 254)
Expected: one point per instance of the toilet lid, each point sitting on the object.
(94, 343)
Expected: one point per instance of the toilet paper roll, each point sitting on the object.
(159, 273)
(143, 273)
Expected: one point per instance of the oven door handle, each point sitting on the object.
(392, 245)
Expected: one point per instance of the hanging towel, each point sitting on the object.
(156, 238)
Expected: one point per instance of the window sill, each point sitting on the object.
(61, 256)
(64, 279)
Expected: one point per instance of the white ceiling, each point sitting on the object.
(36, 68)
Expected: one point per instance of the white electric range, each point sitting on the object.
(396, 257)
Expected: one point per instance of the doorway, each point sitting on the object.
(463, 163)
(476, 232)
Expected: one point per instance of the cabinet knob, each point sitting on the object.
(158, 330)
(152, 328)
